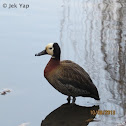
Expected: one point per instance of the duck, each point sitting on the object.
(66, 76)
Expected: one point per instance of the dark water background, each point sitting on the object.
(91, 33)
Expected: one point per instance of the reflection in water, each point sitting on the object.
(114, 51)
(70, 115)
(93, 34)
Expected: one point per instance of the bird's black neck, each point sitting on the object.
(56, 58)
(56, 51)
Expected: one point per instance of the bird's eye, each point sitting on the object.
(50, 48)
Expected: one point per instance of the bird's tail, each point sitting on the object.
(95, 96)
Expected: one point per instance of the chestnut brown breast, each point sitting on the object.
(52, 65)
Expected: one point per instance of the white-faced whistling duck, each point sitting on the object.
(66, 76)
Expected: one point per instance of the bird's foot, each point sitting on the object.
(73, 101)
(68, 99)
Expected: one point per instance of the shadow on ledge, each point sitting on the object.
(70, 115)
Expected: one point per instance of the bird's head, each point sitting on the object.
(52, 49)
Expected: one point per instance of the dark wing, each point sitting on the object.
(74, 75)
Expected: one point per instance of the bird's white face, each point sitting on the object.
(52, 49)
(49, 49)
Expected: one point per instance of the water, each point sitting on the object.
(91, 33)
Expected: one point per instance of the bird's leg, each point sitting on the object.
(68, 99)
(73, 101)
